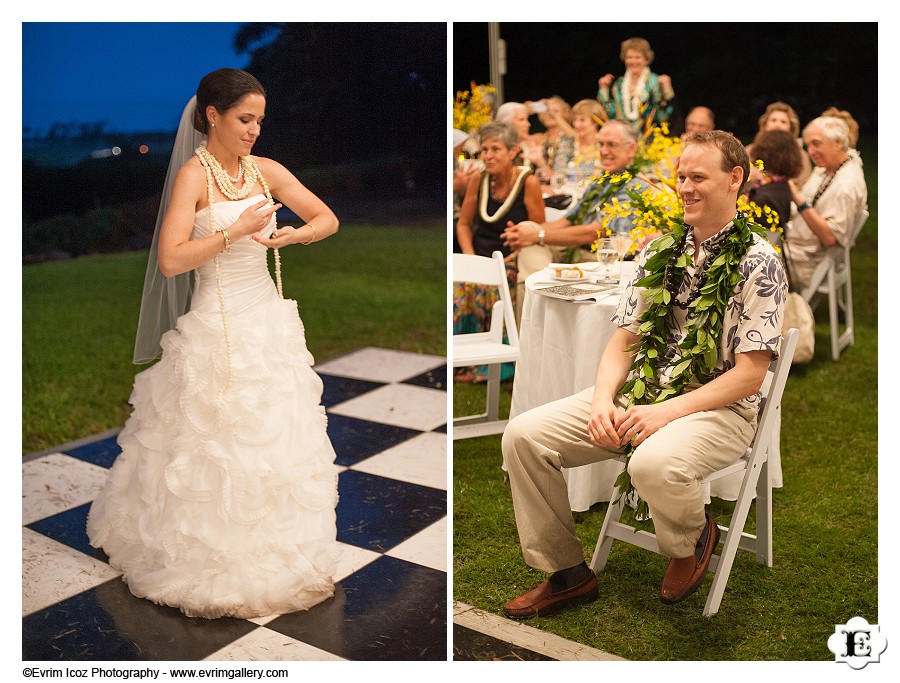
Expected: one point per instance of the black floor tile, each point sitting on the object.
(340, 389)
(102, 452)
(472, 646)
(356, 440)
(388, 610)
(70, 528)
(433, 379)
(378, 513)
(109, 623)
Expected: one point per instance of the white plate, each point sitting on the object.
(569, 280)
(551, 272)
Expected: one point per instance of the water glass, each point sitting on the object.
(606, 256)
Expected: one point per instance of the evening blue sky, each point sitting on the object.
(135, 76)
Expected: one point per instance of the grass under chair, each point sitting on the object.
(365, 286)
(825, 520)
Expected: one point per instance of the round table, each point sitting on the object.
(561, 343)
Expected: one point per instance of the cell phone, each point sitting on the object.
(538, 107)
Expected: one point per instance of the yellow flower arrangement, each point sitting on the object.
(653, 210)
(473, 108)
(657, 152)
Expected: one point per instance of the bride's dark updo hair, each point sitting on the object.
(223, 89)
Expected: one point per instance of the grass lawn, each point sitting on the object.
(825, 520)
(366, 286)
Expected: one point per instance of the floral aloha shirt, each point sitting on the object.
(753, 316)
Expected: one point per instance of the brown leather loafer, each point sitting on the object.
(684, 575)
(541, 601)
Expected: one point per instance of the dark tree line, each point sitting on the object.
(355, 110)
(342, 93)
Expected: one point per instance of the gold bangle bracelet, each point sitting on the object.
(227, 242)
(313, 238)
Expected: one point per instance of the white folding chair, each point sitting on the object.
(486, 348)
(831, 278)
(754, 464)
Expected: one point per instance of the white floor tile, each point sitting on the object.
(401, 405)
(264, 645)
(52, 572)
(353, 559)
(56, 483)
(381, 365)
(428, 547)
(420, 460)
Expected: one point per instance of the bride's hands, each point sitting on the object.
(283, 236)
(253, 219)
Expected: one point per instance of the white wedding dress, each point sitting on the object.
(222, 503)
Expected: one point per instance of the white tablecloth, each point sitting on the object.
(561, 344)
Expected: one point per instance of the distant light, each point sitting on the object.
(143, 149)
(116, 151)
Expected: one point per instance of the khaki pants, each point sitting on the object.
(666, 470)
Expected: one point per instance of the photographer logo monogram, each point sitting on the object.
(857, 643)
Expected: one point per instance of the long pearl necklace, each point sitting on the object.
(246, 166)
(210, 163)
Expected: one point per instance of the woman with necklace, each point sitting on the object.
(503, 195)
(552, 149)
(586, 120)
(829, 202)
(557, 145)
(222, 502)
(640, 93)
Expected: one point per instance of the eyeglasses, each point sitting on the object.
(609, 145)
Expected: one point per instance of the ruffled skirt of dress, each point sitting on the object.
(222, 503)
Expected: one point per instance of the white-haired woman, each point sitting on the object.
(828, 204)
(516, 114)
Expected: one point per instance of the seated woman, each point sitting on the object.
(640, 93)
(551, 150)
(587, 116)
(830, 202)
(782, 160)
(504, 194)
(781, 116)
(516, 114)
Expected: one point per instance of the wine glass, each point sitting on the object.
(622, 242)
(606, 256)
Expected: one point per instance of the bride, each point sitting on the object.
(222, 502)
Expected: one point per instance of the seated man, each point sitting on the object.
(704, 424)
(699, 120)
(541, 244)
(829, 202)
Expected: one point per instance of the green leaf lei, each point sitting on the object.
(699, 350)
(616, 180)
